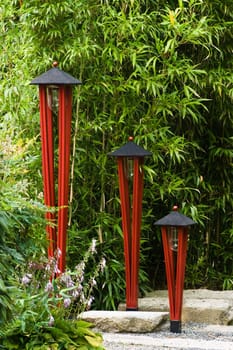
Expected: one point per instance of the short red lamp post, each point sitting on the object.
(174, 228)
(55, 94)
(130, 159)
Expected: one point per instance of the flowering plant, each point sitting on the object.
(48, 307)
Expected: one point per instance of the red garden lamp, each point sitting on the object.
(175, 237)
(55, 93)
(130, 159)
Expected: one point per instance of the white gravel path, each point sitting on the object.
(193, 337)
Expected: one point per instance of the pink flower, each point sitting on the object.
(93, 246)
(59, 253)
(51, 321)
(26, 279)
(49, 287)
(67, 280)
(67, 302)
(56, 269)
(93, 282)
(102, 264)
(89, 302)
(75, 294)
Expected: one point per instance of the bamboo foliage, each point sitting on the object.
(160, 71)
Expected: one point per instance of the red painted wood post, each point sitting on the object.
(126, 223)
(131, 211)
(169, 265)
(65, 113)
(136, 227)
(175, 261)
(46, 123)
(57, 225)
(180, 274)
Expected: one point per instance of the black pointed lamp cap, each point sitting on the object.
(55, 76)
(130, 149)
(174, 218)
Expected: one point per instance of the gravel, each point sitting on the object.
(194, 336)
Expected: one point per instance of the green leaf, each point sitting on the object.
(94, 341)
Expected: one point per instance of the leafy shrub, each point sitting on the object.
(47, 307)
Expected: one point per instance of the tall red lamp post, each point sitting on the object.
(174, 228)
(130, 159)
(55, 94)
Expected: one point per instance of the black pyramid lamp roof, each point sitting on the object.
(130, 149)
(55, 76)
(175, 219)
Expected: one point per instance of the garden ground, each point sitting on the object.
(206, 323)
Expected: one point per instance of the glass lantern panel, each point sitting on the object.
(173, 238)
(129, 168)
(52, 97)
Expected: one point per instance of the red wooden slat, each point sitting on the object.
(180, 274)
(169, 265)
(65, 112)
(48, 167)
(126, 226)
(136, 227)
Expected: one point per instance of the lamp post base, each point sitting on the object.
(175, 326)
(131, 308)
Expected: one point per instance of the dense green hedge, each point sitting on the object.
(158, 70)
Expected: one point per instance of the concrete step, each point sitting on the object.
(199, 305)
(207, 323)
(126, 321)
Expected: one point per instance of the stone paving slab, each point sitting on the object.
(219, 329)
(122, 321)
(213, 311)
(199, 305)
(200, 293)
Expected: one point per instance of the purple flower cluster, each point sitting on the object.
(26, 279)
(69, 291)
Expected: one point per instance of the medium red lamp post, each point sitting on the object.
(174, 228)
(55, 93)
(130, 159)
